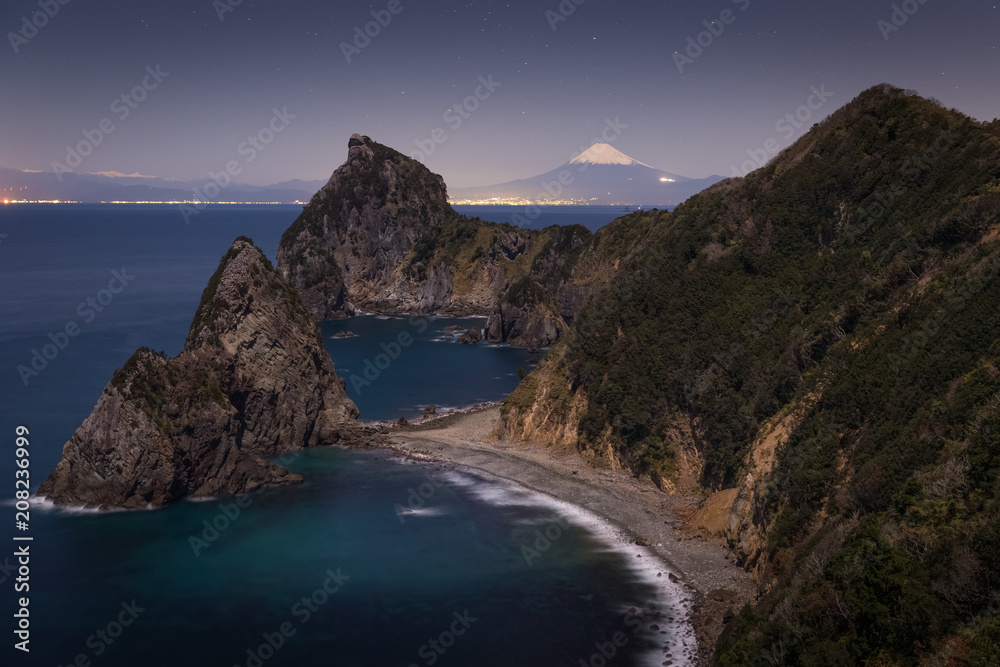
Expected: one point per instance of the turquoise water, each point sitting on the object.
(406, 546)
(396, 366)
(380, 581)
(54, 258)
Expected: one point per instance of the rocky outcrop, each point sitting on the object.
(745, 530)
(435, 293)
(353, 245)
(381, 237)
(471, 337)
(543, 409)
(253, 380)
(530, 324)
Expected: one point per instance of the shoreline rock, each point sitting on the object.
(380, 237)
(253, 380)
(471, 337)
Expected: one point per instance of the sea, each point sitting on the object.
(373, 561)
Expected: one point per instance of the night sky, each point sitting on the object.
(618, 60)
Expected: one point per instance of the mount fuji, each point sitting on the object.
(600, 175)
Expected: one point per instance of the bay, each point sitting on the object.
(412, 550)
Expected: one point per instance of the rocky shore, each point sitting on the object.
(658, 521)
(381, 237)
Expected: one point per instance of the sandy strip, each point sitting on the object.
(640, 509)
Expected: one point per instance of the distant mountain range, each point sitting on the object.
(114, 186)
(600, 175)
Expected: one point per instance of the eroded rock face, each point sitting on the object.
(746, 531)
(380, 237)
(526, 324)
(253, 380)
(435, 294)
(351, 246)
(471, 337)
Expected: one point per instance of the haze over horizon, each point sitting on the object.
(482, 93)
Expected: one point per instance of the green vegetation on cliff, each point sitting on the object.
(380, 236)
(861, 267)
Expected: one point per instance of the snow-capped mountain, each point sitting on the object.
(600, 175)
(605, 154)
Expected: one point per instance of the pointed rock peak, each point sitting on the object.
(605, 154)
(253, 380)
(359, 149)
(376, 182)
(245, 280)
(231, 274)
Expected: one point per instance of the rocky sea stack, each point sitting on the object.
(352, 244)
(380, 237)
(253, 380)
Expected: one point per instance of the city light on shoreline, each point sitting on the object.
(166, 203)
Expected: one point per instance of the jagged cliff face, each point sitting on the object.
(253, 380)
(348, 248)
(526, 324)
(538, 309)
(827, 329)
(380, 237)
(746, 526)
(543, 408)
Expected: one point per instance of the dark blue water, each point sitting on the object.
(389, 556)
(54, 258)
(397, 366)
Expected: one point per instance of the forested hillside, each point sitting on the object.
(824, 336)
